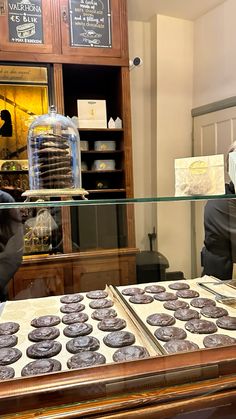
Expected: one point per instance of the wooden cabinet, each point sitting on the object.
(63, 31)
(112, 19)
(56, 275)
(103, 182)
(45, 280)
(29, 28)
(111, 84)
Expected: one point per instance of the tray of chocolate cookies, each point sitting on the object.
(182, 316)
(51, 334)
(44, 335)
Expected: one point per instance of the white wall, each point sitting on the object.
(142, 91)
(215, 55)
(174, 126)
(161, 93)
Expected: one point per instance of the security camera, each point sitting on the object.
(136, 62)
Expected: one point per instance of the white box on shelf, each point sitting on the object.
(92, 113)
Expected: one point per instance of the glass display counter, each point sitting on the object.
(82, 336)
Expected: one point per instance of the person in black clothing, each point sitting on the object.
(6, 128)
(11, 243)
(219, 253)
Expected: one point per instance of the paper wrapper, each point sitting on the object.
(202, 175)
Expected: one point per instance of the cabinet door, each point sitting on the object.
(38, 281)
(28, 26)
(94, 28)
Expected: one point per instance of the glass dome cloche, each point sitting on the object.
(54, 153)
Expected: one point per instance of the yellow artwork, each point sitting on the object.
(20, 104)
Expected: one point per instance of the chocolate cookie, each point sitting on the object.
(109, 325)
(51, 184)
(9, 355)
(132, 291)
(41, 366)
(227, 322)
(9, 328)
(175, 346)
(160, 319)
(213, 312)
(216, 340)
(103, 313)
(56, 171)
(75, 318)
(154, 289)
(44, 167)
(82, 343)
(50, 151)
(165, 296)
(200, 326)
(97, 294)
(56, 178)
(43, 333)
(50, 144)
(179, 286)
(77, 329)
(202, 302)
(71, 298)
(52, 159)
(130, 353)
(44, 321)
(44, 349)
(49, 137)
(175, 304)
(170, 332)
(119, 339)
(185, 314)
(103, 303)
(187, 293)
(6, 373)
(7, 341)
(141, 299)
(86, 359)
(72, 308)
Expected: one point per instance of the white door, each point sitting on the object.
(213, 134)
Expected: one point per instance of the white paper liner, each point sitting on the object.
(23, 311)
(144, 310)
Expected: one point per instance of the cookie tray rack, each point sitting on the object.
(116, 387)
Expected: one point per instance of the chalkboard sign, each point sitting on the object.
(25, 21)
(90, 23)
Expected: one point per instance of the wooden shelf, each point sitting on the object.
(101, 171)
(14, 172)
(100, 191)
(101, 152)
(102, 129)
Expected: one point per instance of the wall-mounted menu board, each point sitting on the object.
(90, 23)
(25, 21)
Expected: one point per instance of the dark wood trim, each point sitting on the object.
(35, 259)
(214, 106)
(62, 59)
(58, 88)
(165, 381)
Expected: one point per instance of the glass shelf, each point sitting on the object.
(97, 202)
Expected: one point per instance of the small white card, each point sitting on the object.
(92, 113)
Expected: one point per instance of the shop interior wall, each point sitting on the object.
(191, 64)
(214, 55)
(161, 92)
